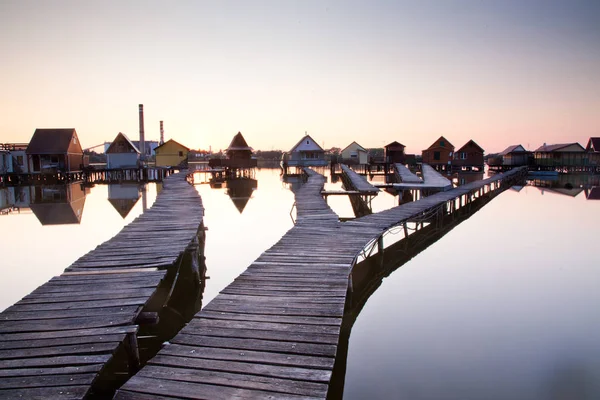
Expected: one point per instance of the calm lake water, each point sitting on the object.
(501, 307)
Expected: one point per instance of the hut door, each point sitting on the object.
(36, 163)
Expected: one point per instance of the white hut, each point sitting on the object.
(122, 153)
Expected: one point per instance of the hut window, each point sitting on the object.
(436, 155)
(75, 140)
(19, 160)
(307, 142)
(181, 154)
(442, 143)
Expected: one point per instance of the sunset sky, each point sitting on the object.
(499, 72)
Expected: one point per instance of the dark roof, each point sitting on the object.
(123, 206)
(512, 148)
(171, 140)
(59, 213)
(555, 147)
(240, 191)
(303, 139)
(238, 143)
(124, 136)
(594, 144)
(351, 145)
(472, 142)
(50, 141)
(395, 144)
(450, 145)
(593, 193)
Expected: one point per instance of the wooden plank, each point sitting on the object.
(69, 313)
(68, 341)
(247, 381)
(57, 393)
(60, 361)
(92, 348)
(315, 349)
(188, 390)
(275, 371)
(46, 381)
(38, 335)
(64, 370)
(66, 324)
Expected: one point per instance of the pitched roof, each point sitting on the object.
(50, 141)
(171, 140)
(240, 191)
(303, 139)
(472, 142)
(123, 206)
(124, 136)
(512, 148)
(58, 213)
(238, 143)
(360, 147)
(593, 193)
(593, 144)
(555, 147)
(433, 145)
(394, 144)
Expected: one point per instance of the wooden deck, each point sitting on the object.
(76, 335)
(355, 181)
(405, 175)
(431, 180)
(274, 332)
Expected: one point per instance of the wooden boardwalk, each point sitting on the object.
(355, 181)
(274, 332)
(75, 336)
(431, 179)
(405, 175)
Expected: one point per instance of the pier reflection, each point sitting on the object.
(368, 275)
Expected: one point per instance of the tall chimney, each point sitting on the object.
(162, 133)
(142, 141)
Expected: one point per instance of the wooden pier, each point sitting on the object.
(80, 334)
(274, 332)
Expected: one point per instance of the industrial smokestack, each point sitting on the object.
(162, 133)
(142, 140)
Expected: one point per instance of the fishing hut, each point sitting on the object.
(238, 163)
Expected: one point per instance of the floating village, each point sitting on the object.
(280, 329)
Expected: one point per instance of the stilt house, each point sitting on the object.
(52, 150)
(469, 156)
(354, 153)
(122, 153)
(171, 153)
(306, 152)
(560, 155)
(439, 154)
(394, 153)
(593, 150)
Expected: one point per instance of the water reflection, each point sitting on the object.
(123, 197)
(368, 275)
(593, 193)
(240, 191)
(71, 218)
(502, 308)
(58, 204)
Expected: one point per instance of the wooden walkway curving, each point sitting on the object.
(273, 332)
(65, 339)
